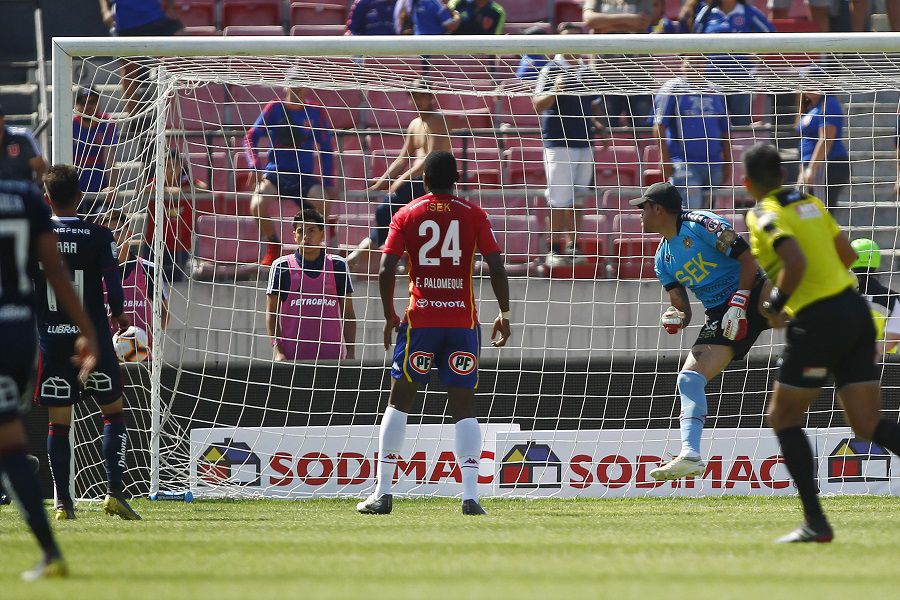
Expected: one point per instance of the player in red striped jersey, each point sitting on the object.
(442, 234)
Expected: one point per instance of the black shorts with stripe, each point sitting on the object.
(834, 336)
(713, 334)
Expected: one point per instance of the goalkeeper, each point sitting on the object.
(883, 301)
(701, 251)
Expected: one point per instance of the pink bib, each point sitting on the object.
(310, 314)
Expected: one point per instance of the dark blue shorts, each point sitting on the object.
(294, 186)
(16, 367)
(57, 381)
(454, 350)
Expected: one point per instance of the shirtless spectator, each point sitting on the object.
(403, 178)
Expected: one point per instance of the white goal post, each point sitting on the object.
(583, 403)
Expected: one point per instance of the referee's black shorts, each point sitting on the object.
(16, 367)
(836, 336)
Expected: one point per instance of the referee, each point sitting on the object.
(830, 331)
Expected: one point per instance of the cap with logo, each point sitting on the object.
(663, 193)
(869, 255)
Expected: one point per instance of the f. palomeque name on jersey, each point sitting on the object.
(440, 283)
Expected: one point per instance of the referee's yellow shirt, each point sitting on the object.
(788, 213)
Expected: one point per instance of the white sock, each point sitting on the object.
(468, 455)
(390, 445)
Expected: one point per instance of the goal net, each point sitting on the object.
(583, 400)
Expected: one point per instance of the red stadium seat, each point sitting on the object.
(381, 160)
(673, 7)
(521, 11)
(519, 28)
(340, 105)
(616, 166)
(615, 200)
(795, 25)
(651, 176)
(318, 30)
(628, 223)
(633, 257)
(253, 30)
(517, 236)
(198, 108)
(390, 110)
(197, 166)
(525, 165)
(352, 167)
(195, 13)
(248, 103)
(315, 13)
(251, 12)
(351, 229)
(517, 111)
(201, 30)
(222, 239)
(651, 156)
(567, 10)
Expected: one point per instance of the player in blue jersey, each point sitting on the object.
(26, 237)
(92, 256)
(701, 251)
(300, 135)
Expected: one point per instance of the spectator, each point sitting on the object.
(479, 17)
(94, 137)
(403, 178)
(732, 16)
(659, 22)
(622, 16)
(309, 306)
(20, 157)
(883, 301)
(178, 212)
(824, 158)
(300, 135)
(693, 132)
(403, 17)
(431, 17)
(137, 18)
(137, 279)
(567, 127)
(530, 65)
(371, 17)
(835, 15)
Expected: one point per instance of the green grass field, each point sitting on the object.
(671, 548)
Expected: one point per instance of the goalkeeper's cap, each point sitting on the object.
(869, 255)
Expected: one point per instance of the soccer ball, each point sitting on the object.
(132, 345)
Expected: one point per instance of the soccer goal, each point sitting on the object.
(583, 401)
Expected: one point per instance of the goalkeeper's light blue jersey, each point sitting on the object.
(699, 258)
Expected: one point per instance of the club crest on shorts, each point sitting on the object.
(462, 363)
(713, 225)
(12, 150)
(420, 362)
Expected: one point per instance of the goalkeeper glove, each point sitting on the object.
(734, 323)
(672, 320)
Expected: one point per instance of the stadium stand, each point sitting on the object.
(196, 13)
(251, 12)
(317, 30)
(317, 13)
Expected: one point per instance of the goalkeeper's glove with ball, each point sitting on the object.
(734, 323)
(672, 320)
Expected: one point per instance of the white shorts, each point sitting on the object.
(570, 172)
